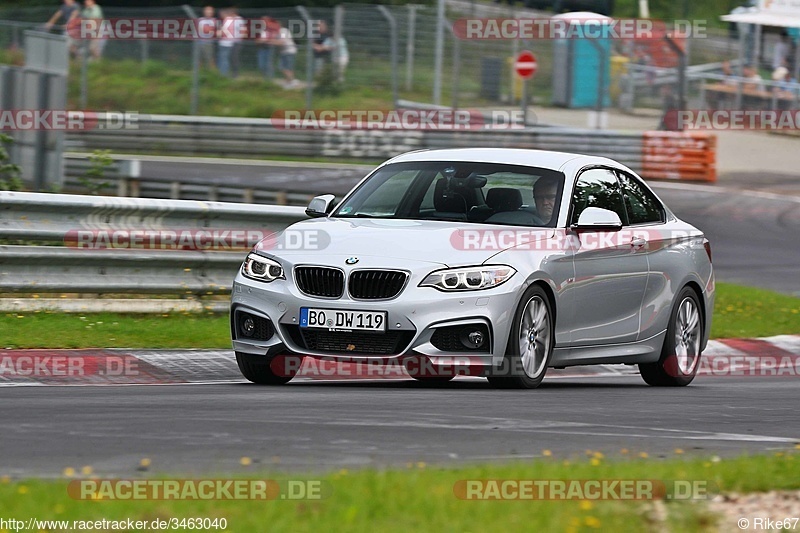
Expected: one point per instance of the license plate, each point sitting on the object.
(340, 320)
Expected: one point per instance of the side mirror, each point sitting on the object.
(597, 219)
(320, 206)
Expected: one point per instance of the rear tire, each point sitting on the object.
(680, 356)
(264, 370)
(530, 343)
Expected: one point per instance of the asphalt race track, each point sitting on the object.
(755, 236)
(307, 425)
(312, 426)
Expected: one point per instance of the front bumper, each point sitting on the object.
(412, 317)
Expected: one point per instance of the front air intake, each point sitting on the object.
(376, 284)
(324, 282)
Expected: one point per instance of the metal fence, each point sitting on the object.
(70, 265)
(254, 138)
(391, 49)
(707, 86)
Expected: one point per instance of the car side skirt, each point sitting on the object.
(642, 351)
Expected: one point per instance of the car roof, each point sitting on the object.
(510, 156)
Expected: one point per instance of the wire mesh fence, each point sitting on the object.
(378, 52)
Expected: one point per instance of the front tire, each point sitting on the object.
(680, 356)
(530, 343)
(264, 370)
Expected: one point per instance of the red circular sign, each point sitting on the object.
(525, 65)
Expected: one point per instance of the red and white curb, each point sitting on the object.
(777, 356)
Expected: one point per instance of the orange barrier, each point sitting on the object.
(689, 156)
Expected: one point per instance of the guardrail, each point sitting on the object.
(649, 75)
(76, 265)
(124, 177)
(254, 138)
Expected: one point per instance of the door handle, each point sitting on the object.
(638, 242)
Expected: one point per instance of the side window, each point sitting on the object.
(642, 206)
(597, 187)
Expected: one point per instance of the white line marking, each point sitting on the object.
(564, 428)
(717, 348)
(788, 343)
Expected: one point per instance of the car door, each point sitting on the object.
(647, 219)
(611, 268)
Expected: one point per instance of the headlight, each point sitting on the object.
(469, 278)
(263, 269)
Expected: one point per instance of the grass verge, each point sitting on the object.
(423, 498)
(750, 312)
(112, 330)
(740, 312)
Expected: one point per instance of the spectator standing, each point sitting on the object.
(286, 57)
(68, 12)
(669, 104)
(323, 47)
(755, 81)
(207, 28)
(781, 51)
(728, 73)
(785, 83)
(230, 43)
(91, 11)
(340, 55)
(266, 48)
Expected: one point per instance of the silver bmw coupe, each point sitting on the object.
(492, 262)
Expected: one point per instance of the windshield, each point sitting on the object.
(485, 193)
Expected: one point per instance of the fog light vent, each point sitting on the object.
(472, 338)
(254, 327)
(468, 338)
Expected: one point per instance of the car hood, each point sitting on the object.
(433, 242)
